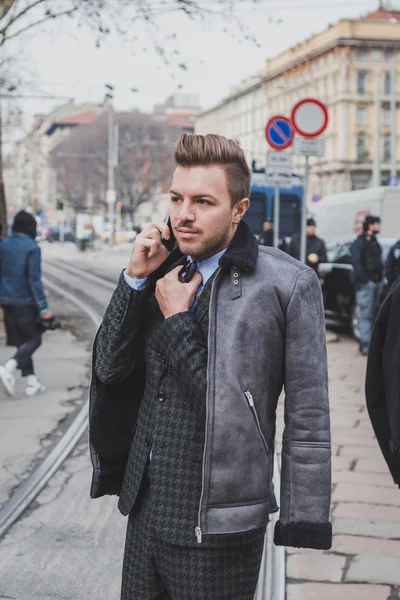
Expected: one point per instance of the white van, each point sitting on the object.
(340, 216)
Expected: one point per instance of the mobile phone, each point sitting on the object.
(169, 244)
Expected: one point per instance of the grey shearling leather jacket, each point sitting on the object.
(266, 332)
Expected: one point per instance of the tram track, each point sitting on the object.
(34, 484)
(271, 585)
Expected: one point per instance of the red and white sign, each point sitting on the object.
(310, 117)
(359, 220)
(279, 132)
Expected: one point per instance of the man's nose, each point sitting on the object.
(186, 213)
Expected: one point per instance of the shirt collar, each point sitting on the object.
(207, 267)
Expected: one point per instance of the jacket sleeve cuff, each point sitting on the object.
(107, 482)
(303, 535)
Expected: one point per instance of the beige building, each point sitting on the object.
(339, 66)
(241, 116)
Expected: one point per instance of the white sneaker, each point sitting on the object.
(34, 386)
(7, 380)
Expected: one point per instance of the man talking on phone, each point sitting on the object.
(189, 362)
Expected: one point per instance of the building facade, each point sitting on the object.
(242, 117)
(29, 176)
(339, 66)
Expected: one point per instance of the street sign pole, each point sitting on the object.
(62, 228)
(277, 206)
(303, 230)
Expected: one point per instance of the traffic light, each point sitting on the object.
(60, 204)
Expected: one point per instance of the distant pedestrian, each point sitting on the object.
(315, 248)
(392, 269)
(266, 237)
(366, 255)
(23, 300)
(382, 383)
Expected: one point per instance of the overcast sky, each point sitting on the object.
(64, 60)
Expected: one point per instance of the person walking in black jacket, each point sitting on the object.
(188, 366)
(366, 255)
(315, 249)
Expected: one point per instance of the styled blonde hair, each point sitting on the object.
(211, 149)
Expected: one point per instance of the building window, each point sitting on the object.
(389, 55)
(361, 82)
(361, 115)
(387, 117)
(361, 54)
(376, 54)
(388, 82)
(387, 148)
(362, 152)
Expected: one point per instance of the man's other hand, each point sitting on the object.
(45, 316)
(148, 252)
(174, 297)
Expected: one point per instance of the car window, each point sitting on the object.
(344, 254)
(331, 252)
(340, 253)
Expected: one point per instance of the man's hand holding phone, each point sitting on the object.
(148, 251)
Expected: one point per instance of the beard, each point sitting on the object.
(207, 245)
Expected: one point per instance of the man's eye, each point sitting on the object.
(174, 199)
(202, 201)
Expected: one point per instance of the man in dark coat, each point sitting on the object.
(392, 268)
(188, 366)
(315, 249)
(266, 237)
(383, 380)
(366, 257)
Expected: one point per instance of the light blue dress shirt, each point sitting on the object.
(206, 268)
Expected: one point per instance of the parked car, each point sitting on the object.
(336, 277)
(52, 234)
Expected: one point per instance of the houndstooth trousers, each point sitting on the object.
(156, 570)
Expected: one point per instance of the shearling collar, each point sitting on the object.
(242, 253)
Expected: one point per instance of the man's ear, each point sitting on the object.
(240, 209)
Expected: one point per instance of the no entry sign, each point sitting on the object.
(309, 117)
(279, 132)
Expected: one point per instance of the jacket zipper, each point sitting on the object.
(250, 400)
(198, 531)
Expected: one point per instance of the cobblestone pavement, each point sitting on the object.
(364, 562)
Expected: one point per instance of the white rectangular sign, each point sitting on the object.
(308, 147)
(279, 168)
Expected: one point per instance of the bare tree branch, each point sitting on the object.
(48, 17)
(20, 15)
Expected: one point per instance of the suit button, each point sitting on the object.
(161, 397)
(147, 442)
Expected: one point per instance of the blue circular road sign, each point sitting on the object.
(279, 133)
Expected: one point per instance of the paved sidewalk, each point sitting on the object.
(364, 562)
(29, 426)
